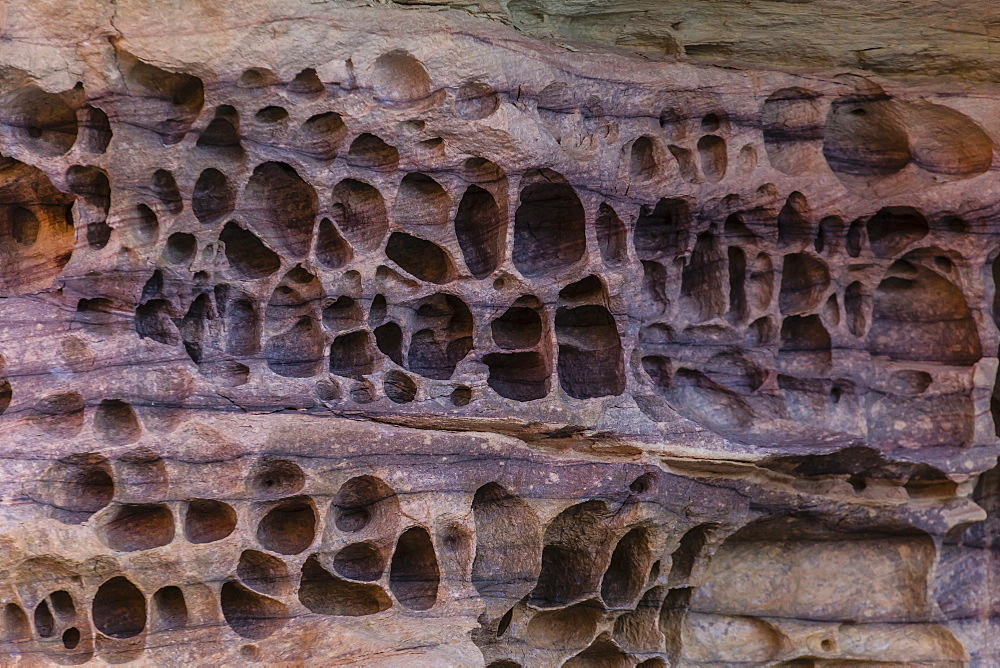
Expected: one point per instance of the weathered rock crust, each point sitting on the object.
(341, 334)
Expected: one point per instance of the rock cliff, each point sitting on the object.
(524, 333)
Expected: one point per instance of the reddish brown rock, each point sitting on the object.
(393, 336)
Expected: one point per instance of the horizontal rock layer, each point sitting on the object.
(392, 335)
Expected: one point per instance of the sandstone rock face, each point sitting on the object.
(390, 335)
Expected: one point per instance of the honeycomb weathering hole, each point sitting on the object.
(249, 614)
(421, 202)
(321, 136)
(115, 422)
(164, 188)
(506, 564)
(522, 376)
(591, 362)
(918, 315)
(169, 609)
(142, 476)
(475, 100)
(78, 486)
(360, 561)
(564, 629)
(289, 527)
(398, 77)
(207, 521)
(44, 621)
(359, 211)
(413, 574)
(423, 259)
(663, 232)
(247, 254)
(137, 527)
(626, 574)
(481, 232)
(324, 593)
(276, 477)
(173, 100)
(372, 152)
(15, 623)
(549, 225)
(399, 387)
(352, 355)
(119, 608)
(264, 573)
(213, 198)
(36, 230)
(282, 207)
(363, 502)
(518, 327)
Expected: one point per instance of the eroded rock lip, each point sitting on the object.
(357, 335)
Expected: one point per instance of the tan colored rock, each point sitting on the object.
(336, 334)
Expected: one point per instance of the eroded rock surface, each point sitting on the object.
(342, 335)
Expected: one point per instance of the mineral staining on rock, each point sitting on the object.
(393, 336)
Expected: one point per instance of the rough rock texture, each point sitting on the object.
(390, 335)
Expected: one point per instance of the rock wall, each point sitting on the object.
(390, 335)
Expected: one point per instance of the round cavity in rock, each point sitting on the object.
(164, 186)
(119, 608)
(399, 77)
(256, 77)
(181, 248)
(213, 199)
(264, 573)
(135, 527)
(146, 226)
(461, 396)
(423, 259)
(289, 527)
(78, 486)
(169, 609)
(414, 575)
(360, 561)
(399, 387)
(363, 501)
(518, 327)
(270, 115)
(276, 477)
(250, 614)
(115, 422)
(71, 637)
(475, 100)
(306, 83)
(207, 521)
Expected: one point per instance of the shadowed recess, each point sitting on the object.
(423, 259)
(360, 561)
(359, 211)
(281, 207)
(169, 609)
(364, 502)
(207, 520)
(326, 594)
(264, 573)
(250, 614)
(213, 198)
(289, 527)
(247, 254)
(119, 608)
(591, 363)
(137, 527)
(413, 574)
(549, 225)
(481, 232)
